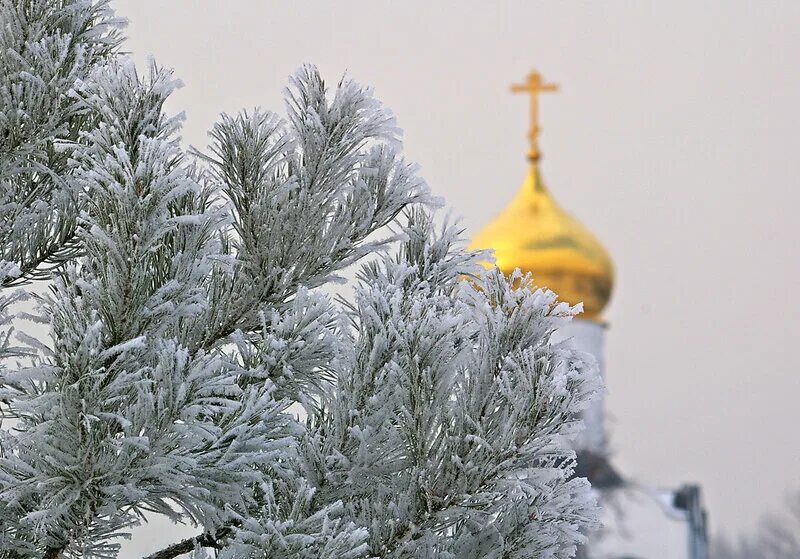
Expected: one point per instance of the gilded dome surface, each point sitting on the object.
(536, 235)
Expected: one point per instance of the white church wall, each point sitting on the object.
(640, 523)
(590, 337)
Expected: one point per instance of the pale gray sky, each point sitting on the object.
(674, 138)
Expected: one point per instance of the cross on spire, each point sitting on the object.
(534, 85)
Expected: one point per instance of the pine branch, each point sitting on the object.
(206, 539)
(35, 267)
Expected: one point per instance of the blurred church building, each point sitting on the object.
(536, 235)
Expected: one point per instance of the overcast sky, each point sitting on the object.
(674, 138)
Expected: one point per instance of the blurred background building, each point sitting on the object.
(674, 138)
(533, 233)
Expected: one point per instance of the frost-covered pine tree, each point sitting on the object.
(197, 367)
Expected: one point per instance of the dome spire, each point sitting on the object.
(534, 85)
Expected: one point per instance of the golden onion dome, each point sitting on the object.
(536, 235)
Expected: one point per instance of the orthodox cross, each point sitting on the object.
(534, 85)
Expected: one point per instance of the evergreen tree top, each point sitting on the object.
(190, 321)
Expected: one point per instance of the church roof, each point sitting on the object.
(535, 234)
